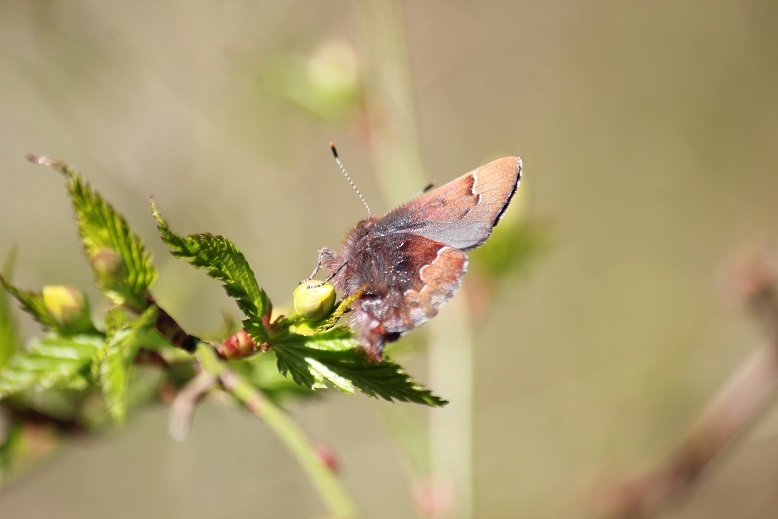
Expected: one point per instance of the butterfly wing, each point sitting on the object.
(462, 212)
(404, 286)
(423, 275)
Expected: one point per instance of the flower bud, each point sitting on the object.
(238, 346)
(327, 458)
(108, 266)
(313, 300)
(68, 307)
(333, 70)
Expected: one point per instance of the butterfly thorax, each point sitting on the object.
(365, 262)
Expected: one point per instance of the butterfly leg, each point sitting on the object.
(323, 255)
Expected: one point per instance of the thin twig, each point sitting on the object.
(183, 407)
(736, 406)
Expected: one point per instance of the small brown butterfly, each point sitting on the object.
(410, 261)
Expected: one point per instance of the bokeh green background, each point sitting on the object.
(647, 131)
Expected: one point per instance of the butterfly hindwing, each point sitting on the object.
(407, 287)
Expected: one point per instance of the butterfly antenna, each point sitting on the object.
(353, 186)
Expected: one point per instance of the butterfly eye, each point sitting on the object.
(392, 336)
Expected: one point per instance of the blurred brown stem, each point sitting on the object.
(734, 408)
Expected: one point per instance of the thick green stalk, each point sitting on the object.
(395, 142)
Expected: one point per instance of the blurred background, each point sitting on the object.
(647, 132)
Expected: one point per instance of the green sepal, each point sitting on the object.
(32, 303)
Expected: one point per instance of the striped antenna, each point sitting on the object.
(354, 186)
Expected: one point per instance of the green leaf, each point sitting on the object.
(32, 303)
(324, 84)
(11, 445)
(51, 361)
(222, 261)
(9, 333)
(102, 229)
(332, 358)
(262, 372)
(116, 318)
(117, 359)
(511, 247)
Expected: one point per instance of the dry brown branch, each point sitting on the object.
(736, 406)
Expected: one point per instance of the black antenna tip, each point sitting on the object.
(334, 151)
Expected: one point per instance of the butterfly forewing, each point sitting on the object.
(462, 212)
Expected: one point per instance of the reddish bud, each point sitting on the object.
(108, 266)
(327, 458)
(237, 346)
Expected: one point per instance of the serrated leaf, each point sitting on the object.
(32, 303)
(51, 361)
(332, 358)
(222, 260)
(119, 353)
(262, 372)
(102, 228)
(117, 318)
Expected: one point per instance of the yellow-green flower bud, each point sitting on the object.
(68, 307)
(314, 299)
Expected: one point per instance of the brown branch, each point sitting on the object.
(183, 407)
(736, 406)
(28, 416)
(172, 331)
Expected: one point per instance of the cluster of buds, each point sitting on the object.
(313, 301)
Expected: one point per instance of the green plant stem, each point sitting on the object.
(9, 334)
(329, 487)
(451, 361)
(395, 142)
(394, 133)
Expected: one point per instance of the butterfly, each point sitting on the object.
(407, 263)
